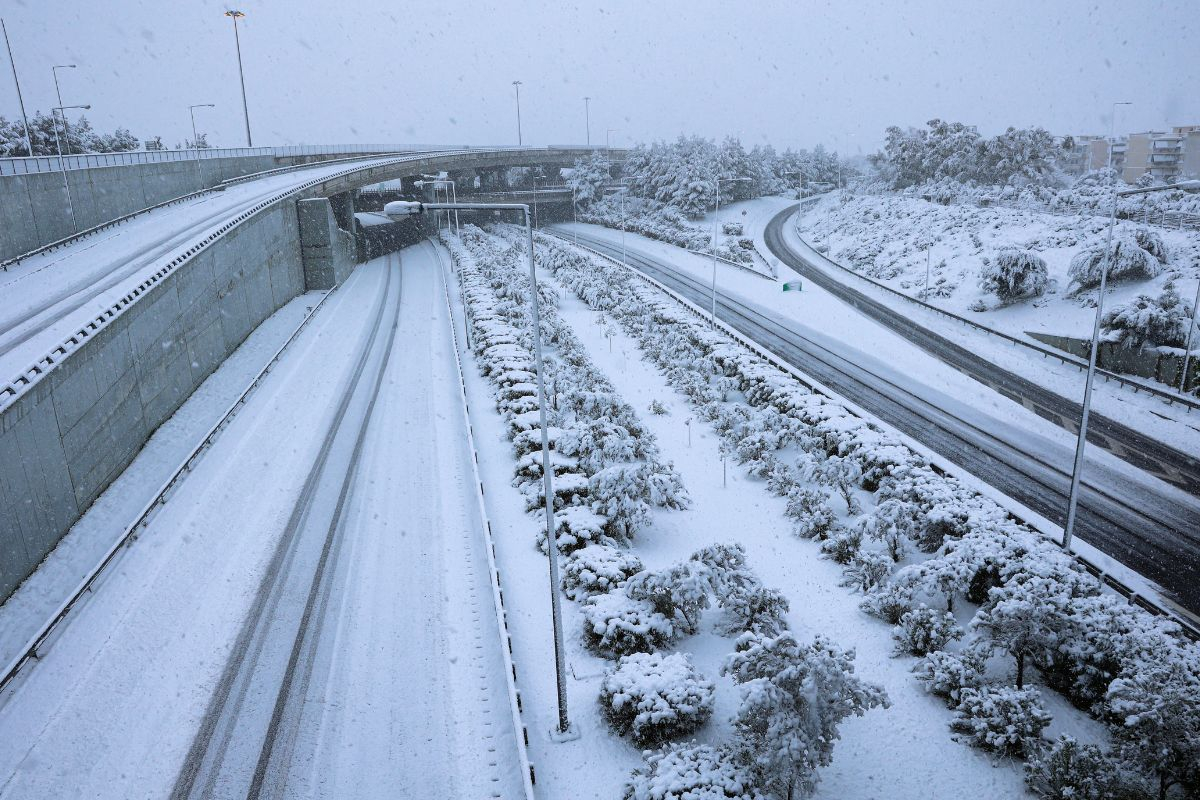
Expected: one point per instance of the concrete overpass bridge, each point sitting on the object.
(105, 334)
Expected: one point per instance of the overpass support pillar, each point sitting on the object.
(328, 251)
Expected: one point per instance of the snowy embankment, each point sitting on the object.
(986, 602)
(891, 237)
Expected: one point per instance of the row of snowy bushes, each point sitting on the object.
(794, 696)
(931, 543)
(607, 472)
(664, 224)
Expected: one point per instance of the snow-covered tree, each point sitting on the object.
(1126, 261)
(1024, 618)
(810, 510)
(588, 178)
(755, 608)
(1009, 721)
(1157, 706)
(654, 698)
(1149, 322)
(625, 492)
(867, 569)
(680, 592)
(947, 674)
(889, 601)
(1070, 770)
(794, 698)
(1015, 275)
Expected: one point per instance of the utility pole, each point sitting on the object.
(587, 119)
(517, 86)
(58, 93)
(16, 80)
(235, 16)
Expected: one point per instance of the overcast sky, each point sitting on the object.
(790, 73)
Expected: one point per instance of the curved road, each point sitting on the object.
(1155, 535)
(1164, 462)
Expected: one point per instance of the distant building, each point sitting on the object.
(1085, 154)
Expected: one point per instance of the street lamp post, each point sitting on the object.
(587, 119)
(1073, 496)
(196, 139)
(716, 213)
(399, 209)
(17, 81)
(58, 93)
(62, 110)
(517, 86)
(1112, 129)
(235, 16)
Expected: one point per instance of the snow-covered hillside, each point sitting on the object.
(890, 237)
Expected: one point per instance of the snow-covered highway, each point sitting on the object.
(1146, 525)
(325, 559)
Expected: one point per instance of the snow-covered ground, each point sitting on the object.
(888, 238)
(407, 683)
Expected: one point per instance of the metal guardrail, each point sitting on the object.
(1046, 352)
(939, 464)
(33, 646)
(37, 164)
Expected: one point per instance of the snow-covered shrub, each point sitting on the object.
(1024, 618)
(693, 772)
(811, 512)
(1156, 703)
(894, 523)
(843, 545)
(1068, 770)
(1148, 321)
(867, 569)
(947, 674)
(754, 608)
(794, 698)
(597, 569)
(615, 624)
(1152, 243)
(923, 630)
(680, 592)
(889, 602)
(625, 492)
(657, 408)
(731, 228)
(1014, 275)
(1007, 720)
(1127, 261)
(574, 527)
(654, 698)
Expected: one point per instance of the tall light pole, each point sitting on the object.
(587, 119)
(1076, 470)
(17, 81)
(716, 213)
(1112, 129)
(58, 93)
(517, 86)
(196, 139)
(404, 208)
(235, 16)
(62, 110)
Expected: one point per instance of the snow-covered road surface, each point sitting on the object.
(392, 679)
(1146, 525)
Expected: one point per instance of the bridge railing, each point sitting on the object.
(27, 165)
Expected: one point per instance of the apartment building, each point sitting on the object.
(1168, 156)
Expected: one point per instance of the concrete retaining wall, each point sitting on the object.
(1165, 365)
(328, 252)
(63, 442)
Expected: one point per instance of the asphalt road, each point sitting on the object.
(1153, 456)
(1153, 534)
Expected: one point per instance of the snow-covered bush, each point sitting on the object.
(811, 512)
(1069, 770)
(654, 698)
(575, 526)
(947, 674)
(1156, 703)
(794, 698)
(894, 523)
(1148, 321)
(731, 228)
(1015, 274)
(1024, 618)
(1127, 261)
(597, 569)
(755, 608)
(867, 570)
(625, 492)
(923, 630)
(693, 772)
(615, 624)
(680, 592)
(889, 602)
(1007, 720)
(1152, 243)
(843, 545)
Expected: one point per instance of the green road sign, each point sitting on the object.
(793, 286)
